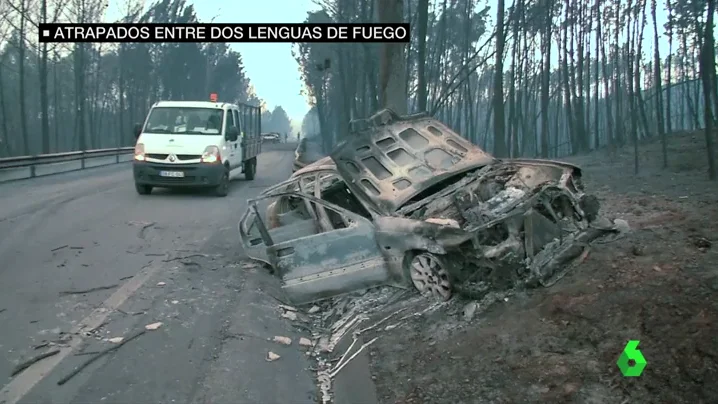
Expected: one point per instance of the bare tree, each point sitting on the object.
(498, 103)
(708, 77)
(423, 20)
(658, 86)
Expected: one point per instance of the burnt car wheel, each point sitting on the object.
(430, 276)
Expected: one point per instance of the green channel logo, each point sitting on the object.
(631, 353)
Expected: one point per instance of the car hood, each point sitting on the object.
(177, 144)
(390, 159)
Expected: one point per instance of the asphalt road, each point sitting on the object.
(89, 229)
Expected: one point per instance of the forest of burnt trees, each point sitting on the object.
(65, 97)
(574, 75)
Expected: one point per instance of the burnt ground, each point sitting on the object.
(658, 285)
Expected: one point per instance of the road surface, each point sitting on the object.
(170, 257)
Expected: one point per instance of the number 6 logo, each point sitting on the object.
(631, 353)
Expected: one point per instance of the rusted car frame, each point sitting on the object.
(422, 208)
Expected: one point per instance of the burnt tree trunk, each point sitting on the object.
(498, 96)
(392, 85)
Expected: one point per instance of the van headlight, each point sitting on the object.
(211, 155)
(140, 152)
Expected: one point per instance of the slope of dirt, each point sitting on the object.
(658, 285)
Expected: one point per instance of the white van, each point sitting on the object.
(196, 144)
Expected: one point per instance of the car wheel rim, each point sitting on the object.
(430, 277)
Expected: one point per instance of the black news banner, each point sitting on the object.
(113, 33)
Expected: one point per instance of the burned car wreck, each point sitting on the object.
(409, 203)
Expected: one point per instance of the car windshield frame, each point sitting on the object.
(160, 118)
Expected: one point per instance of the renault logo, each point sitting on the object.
(172, 158)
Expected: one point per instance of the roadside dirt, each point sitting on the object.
(657, 285)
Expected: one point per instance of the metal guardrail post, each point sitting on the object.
(82, 160)
(32, 170)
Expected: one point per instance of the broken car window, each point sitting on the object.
(339, 194)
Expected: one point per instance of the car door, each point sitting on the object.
(231, 145)
(255, 221)
(316, 262)
(240, 143)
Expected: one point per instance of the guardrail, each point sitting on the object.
(21, 167)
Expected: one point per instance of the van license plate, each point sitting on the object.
(173, 174)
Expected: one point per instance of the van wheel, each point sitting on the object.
(250, 168)
(143, 189)
(222, 188)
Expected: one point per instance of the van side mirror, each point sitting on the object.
(232, 134)
(137, 130)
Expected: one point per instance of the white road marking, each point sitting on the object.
(25, 381)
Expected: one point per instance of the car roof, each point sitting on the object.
(193, 104)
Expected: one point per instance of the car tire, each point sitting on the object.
(143, 189)
(429, 274)
(250, 168)
(222, 189)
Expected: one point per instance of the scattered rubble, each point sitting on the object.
(289, 315)
(282, 340)
(153, 326)
(305, 342)
(161, 283)
(470, 310)
(115, 340)
(271, 356)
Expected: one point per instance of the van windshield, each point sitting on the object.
(189, 121)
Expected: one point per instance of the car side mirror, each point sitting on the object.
(232, 134)
(137, 130)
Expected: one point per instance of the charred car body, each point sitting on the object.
(406, 201)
